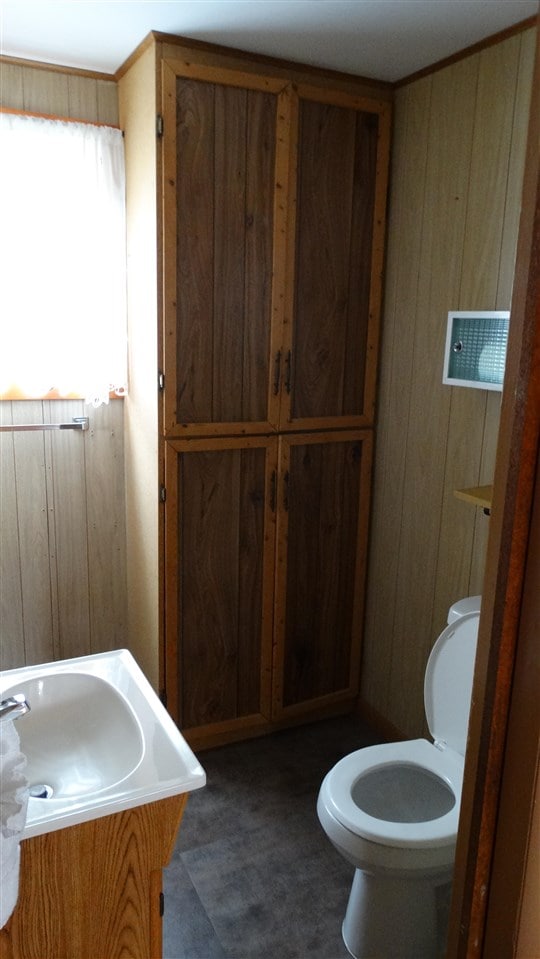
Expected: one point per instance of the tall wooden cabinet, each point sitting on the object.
(270, 186)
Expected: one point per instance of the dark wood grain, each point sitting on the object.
(226, 156)
(220, 555)
(324, 497)
(336, 191)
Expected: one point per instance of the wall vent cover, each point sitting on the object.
(475, 352)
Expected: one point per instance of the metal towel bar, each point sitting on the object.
(78, 423)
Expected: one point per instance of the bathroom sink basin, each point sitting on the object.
(97, 740)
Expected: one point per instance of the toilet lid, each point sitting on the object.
(448, 683)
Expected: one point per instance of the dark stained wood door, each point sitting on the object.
(335, 287)
(323, 509)
(225, 172)
(220, 537)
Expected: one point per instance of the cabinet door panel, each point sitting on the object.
(334, 325)
(220, 541)
(221, 161)
(322, 542)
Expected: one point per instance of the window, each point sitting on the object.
(62, 259)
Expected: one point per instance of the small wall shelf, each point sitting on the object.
(477, 495)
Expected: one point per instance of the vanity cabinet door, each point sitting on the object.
(323, 511)
(220, 536)
(225, 166)
(337, 231)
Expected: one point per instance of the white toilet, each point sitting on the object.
(392, 810)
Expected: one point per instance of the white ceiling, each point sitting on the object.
(384, 39)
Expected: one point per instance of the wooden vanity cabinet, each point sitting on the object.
(220, 543)
(273, 211)
(93, 891)
(269, 195)
(266, 545)
(322, 531)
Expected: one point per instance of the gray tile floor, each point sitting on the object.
(253, 876)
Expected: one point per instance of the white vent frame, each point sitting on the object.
(450, 345)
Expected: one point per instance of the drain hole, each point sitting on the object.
(41, 791)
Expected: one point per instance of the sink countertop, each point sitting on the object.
(112, 745)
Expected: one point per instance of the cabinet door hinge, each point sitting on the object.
(159, 125)
(161, 380)
(162, 494)
(161, 904)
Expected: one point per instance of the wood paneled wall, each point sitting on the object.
(62, 512)
(458, 156)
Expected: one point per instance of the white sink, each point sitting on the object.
(97, 740)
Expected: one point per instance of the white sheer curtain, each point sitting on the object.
(62, 259)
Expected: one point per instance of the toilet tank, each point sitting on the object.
(471, 604)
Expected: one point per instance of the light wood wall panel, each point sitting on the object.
(62, 503)
(62, 548)
(458, 158)
(59, 93)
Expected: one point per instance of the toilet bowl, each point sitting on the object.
(392, 810)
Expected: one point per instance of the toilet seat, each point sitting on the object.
(446, 765)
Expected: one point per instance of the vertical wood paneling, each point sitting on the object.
(106, 528)
(68, 513)
(472, 427)
(11, 608)
(46, 92)
(439, 268)
(61, 94)
(32, 522)
(62, 505)
(406, 202)
(458, 157)
(11, 78)
(82, 97)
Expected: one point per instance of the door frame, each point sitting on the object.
(502, 754)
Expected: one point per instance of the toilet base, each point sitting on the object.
(391, 918)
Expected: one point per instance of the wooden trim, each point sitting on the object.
(225, 75)
(171, 586)
(52, 116)
(215, 737)
(377, 263)
(341, 98)
(468, 51)
(361, 421)
(169, 229)
(57, 68)
(487, 890)
(136, 54)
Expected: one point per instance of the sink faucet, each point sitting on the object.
(13, 707)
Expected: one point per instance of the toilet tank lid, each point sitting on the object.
(448, 683)
(470, 604)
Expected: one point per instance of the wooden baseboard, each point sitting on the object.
(206, 738)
